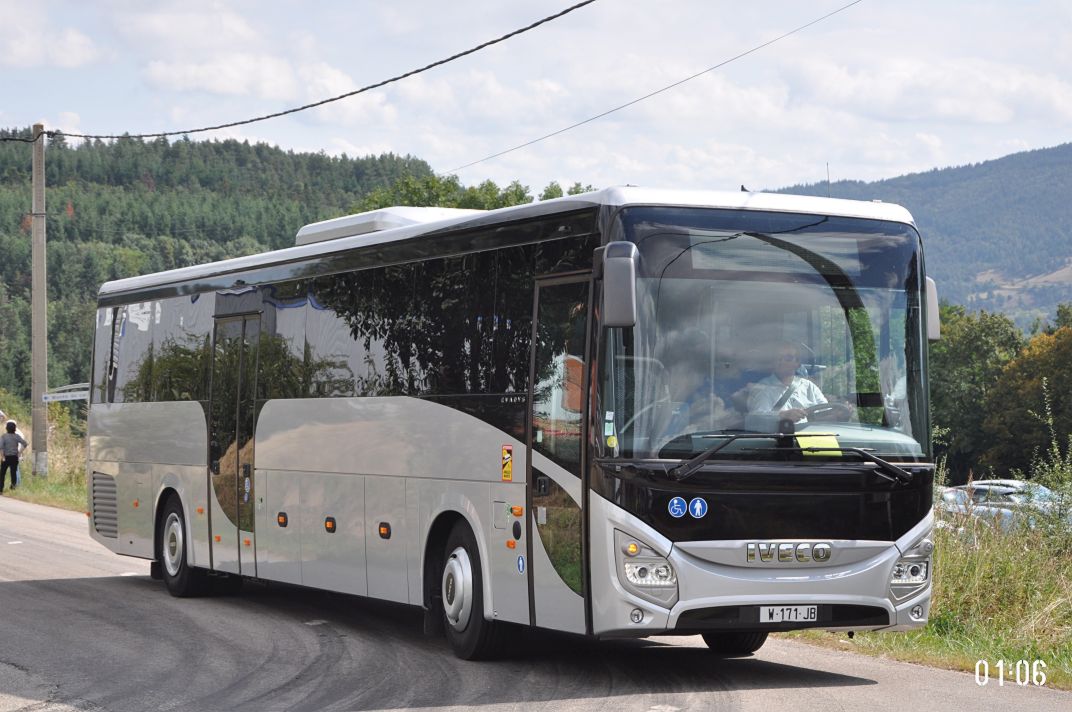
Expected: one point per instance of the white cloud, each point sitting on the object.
(260, 76)
(187, 29)
(67, 122)
(322, 81)
(29, 39)
(968, 90)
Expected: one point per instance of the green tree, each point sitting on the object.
(1018, 408)
(965, 366)
(445, 192)
(553, 190)
(577, 189)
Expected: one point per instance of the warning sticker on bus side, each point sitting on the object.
(508, 463)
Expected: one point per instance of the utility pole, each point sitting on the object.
(39, 310)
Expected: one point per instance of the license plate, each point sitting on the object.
(788, 614)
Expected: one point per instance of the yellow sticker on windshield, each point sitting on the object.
(819, 441)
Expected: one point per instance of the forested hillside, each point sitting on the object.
(997, 235)
(130, 207)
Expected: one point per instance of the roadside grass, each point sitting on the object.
(56, 490)
(65, 484)
(997, 596)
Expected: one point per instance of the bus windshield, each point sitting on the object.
(748, 319)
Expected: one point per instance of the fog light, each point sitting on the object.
(916, 613)
(637, 615)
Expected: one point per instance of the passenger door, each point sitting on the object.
(231, 426)
(557, 434)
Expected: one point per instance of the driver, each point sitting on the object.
(783, 394)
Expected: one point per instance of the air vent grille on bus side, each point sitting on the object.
(105, 505)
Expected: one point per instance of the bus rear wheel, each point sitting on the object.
(471, 636)
(734, 643)
(181, 579)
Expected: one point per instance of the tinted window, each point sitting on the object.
(133, 353)
(282, 342)
(102, 354)
(181, 348)
(443, 327)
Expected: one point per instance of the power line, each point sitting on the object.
(657, 91)
(23, 140)
(362, 90)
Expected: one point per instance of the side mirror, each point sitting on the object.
(619, 284)
(934, 328)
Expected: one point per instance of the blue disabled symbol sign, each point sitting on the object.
(677, 507)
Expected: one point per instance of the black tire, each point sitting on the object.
(172, 547)
(734, 643)
(470, 635)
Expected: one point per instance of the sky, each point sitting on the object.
(881, 89)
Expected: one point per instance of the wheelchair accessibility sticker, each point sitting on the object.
(677, 507)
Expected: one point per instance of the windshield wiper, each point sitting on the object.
(887, 469)
(884, 468)
(687, 469)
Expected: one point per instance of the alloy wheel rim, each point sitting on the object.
(173, 544)
(457, 589)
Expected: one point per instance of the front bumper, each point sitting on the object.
(719, 591)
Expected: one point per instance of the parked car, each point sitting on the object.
(958, 509)
(1001, 502)
(1012, 494)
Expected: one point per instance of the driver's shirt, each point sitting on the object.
(765, 393)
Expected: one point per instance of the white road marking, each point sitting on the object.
(130, 573)
(14, 542)
(315, 622)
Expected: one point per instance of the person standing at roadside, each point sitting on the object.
(12, 446)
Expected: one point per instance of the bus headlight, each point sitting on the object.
(907, 572)
(912, 572)
(643, 572)
(647, 573)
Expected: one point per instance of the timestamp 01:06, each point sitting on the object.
(1020, 672)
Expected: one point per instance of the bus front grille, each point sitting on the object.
(105, 505)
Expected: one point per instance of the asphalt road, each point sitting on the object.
(84, 629)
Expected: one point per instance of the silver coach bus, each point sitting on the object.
(625, 413)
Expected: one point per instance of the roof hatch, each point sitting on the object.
(374, 221)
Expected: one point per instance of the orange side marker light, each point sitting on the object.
(247, 542)
(517, 511)
(135, 504)
(218, 538)
(200, 510)
(511, 544)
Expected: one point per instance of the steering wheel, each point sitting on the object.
(828, 412)
(650, 406)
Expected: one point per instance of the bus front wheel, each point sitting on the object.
(471, 636)
(734, 643)
(172, 549)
